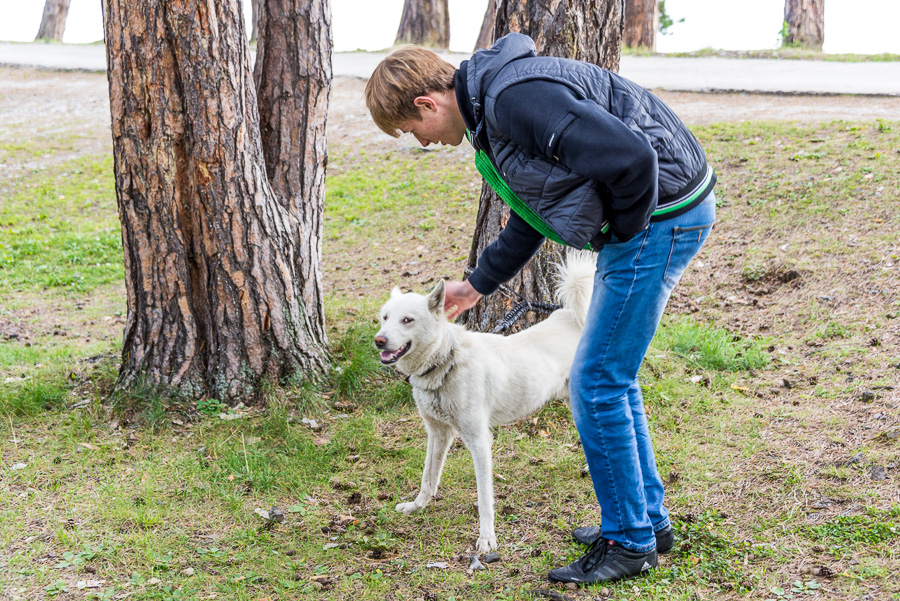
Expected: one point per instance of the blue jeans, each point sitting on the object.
(631, 288)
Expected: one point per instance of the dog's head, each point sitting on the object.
(409, 322)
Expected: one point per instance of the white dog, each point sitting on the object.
(465, 382)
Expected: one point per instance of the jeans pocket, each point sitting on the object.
(686, 242)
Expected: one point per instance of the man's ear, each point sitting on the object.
(435, 298)
(425, 102)
(395, 291)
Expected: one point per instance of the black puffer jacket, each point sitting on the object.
(581, 146)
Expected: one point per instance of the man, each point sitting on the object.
(591, 160)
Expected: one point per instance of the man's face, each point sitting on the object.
(440, 121)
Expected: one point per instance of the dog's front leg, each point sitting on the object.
(440, 437)
(479, 445)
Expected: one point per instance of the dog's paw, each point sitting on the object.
(407, 508)
(485, 544)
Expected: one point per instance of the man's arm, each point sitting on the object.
(505, 256)
(546, 119)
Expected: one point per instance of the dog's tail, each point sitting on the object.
(575, 282)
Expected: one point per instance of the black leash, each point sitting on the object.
(524, 305)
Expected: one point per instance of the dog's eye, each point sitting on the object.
(408, 320)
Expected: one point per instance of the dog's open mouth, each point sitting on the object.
(388, 357)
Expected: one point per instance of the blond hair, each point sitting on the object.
(405, 74)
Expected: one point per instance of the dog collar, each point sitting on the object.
(444, 360)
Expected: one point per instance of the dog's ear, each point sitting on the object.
(435, 298)
(395, 291)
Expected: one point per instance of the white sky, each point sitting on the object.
(861, 26)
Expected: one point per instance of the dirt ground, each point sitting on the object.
(47, 102)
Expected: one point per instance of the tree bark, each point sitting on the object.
(216, 262)
(804, 23)
(53, 21)
(425, 23)
(486, 36)
(641, 24)
(588, 30)
(293, 83)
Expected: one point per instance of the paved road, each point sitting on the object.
(672, 74)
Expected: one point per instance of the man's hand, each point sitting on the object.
(459, 297)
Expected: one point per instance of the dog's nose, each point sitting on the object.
(380, 341)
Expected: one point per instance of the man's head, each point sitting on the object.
(411, 91)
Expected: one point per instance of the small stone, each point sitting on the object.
(491, 557)
(276, 514)
(877, 473)
(855, 459)
(19, 466)
(153, 581)
(605, 592)
(474, 564)
(441, 565)
(188, 571)
(867, 397)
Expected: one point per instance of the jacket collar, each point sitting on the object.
(484, 66)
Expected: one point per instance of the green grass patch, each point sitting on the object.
(872, 528)
(60, 229)
(710, 347)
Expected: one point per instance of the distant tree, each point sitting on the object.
(486, 36)
(665, 20)
(804, 23)
(425, 23)
(588, 30)
(53, 21)
(254, 12)
(221, 206)
(641, 24)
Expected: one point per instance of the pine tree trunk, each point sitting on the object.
(215, 261)
(486, 36)
(53, 21)
(425, 23)
(588, 30)
(293, 84)
(804, 23)
(641, 24)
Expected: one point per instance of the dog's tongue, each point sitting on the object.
(387, 355)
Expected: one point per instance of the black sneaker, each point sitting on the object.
(665, 538)
(605, 561)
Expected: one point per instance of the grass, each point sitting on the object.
(60, 230)
(752, 405)
(786, 53)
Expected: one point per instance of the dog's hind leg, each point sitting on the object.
(440, 437)
(479, 444)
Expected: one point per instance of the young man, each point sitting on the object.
(588, 159)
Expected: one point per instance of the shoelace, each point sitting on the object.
(595, 553)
